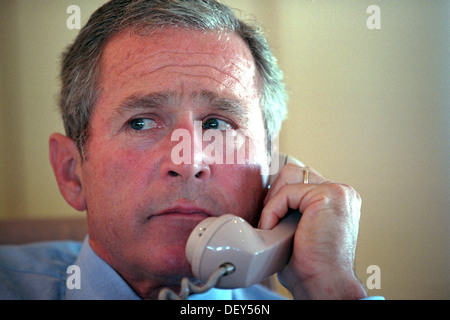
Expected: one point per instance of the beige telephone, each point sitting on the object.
(227, 252)
(255, 254)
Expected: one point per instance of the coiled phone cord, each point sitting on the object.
(187, 287)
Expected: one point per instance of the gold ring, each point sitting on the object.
(305, 175)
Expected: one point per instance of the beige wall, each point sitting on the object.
(367, 107)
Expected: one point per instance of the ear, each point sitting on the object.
(66, 162)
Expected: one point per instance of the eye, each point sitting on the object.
(216, 124)
(142, 124)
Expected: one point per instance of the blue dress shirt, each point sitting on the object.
(39, 271)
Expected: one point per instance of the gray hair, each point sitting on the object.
(80, 63)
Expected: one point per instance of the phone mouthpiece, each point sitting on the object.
(256, 254)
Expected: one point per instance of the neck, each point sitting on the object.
(144, 283)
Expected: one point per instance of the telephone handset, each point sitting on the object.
(255, 253)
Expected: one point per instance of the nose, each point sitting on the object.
(192, 164)
(187, 172)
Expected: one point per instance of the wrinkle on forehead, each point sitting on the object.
(127, 50)
(214, 43)
(166, 58)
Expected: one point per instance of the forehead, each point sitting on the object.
(223, 56)
(130, 45)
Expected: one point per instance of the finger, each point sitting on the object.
(336, 198)
(288, 197)
(293, 174)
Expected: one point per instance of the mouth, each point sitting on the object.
(185, 212)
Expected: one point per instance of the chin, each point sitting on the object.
(173, 262)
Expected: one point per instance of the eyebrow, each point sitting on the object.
(148, 101)
(233, 106)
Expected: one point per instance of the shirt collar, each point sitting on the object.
(99, 281)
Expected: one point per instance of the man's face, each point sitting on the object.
(141, 205)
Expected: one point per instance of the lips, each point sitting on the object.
(185, 211)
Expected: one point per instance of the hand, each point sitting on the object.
(321, 266)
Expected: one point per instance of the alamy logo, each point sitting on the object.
(222, 147)
(74, 20)
(374, 280)
(374, 20)
(74, 280)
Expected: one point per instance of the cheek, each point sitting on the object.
(115, 178)
(114, 184)
(245, 189)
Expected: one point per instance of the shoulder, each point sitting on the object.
(37, 270)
